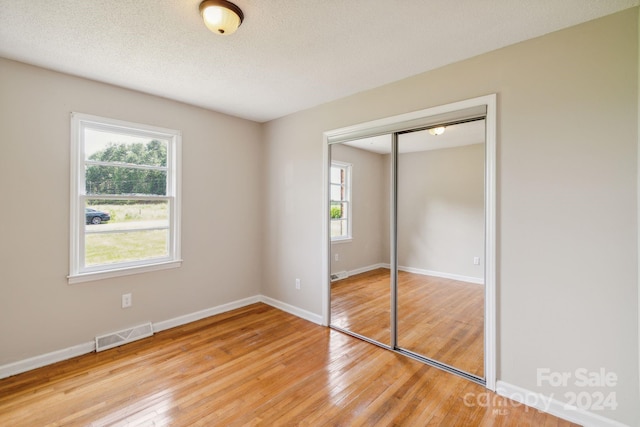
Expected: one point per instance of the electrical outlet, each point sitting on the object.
(126, 300)
(298, 284)
(337, 257)
(476, 260)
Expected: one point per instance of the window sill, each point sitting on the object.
(89, 277)
(344, 240)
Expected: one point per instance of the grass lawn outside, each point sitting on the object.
(123, 242)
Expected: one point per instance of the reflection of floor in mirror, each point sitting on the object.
(442, 319)
(360, 304)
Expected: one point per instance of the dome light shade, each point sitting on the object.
(221, 16)
(437, 131)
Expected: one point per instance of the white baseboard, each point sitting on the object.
(46, 359)
(453, 276)
(192, 317)
(366, 268)
(554, 407)
(339, 275)
(459, 277)
(84, 348)
(304, 314)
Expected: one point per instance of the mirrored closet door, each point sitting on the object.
(440, 241)
(408, 238)
(359, 174)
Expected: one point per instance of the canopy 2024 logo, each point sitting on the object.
(589, 400)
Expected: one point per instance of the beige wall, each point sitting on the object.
(39, 311)
(441, 211)
(369, 209)
(567, 187)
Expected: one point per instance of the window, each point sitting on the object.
(340, 187)
(125, 204)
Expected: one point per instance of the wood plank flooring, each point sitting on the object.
(442, 319)
(253, 366)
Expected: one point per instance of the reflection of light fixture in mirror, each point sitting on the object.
(221, 16)
(437, 131)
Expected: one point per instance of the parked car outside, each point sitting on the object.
(94, 216)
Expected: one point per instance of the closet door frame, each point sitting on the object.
(412, 120)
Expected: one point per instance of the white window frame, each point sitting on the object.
(348, 188)
(78, 272)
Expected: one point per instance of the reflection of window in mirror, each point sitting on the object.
(340, 183)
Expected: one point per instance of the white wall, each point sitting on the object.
(221, 245)
(567, 188)
(441, 211)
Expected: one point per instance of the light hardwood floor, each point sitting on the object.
(442, 319)
(253, 366)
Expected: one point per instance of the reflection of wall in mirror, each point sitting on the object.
(369, 208)
(441, 212)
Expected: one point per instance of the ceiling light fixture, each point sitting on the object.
(221, 16)
(437, 131)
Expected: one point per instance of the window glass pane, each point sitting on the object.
(339, 228)
(125, 215)
(109, 248)
(336, 175)
(124, 180)
(336, 210)
(345, 210)
(122, 148)
(336, 192)
(339, 210)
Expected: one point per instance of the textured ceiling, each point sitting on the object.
(287, 56)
